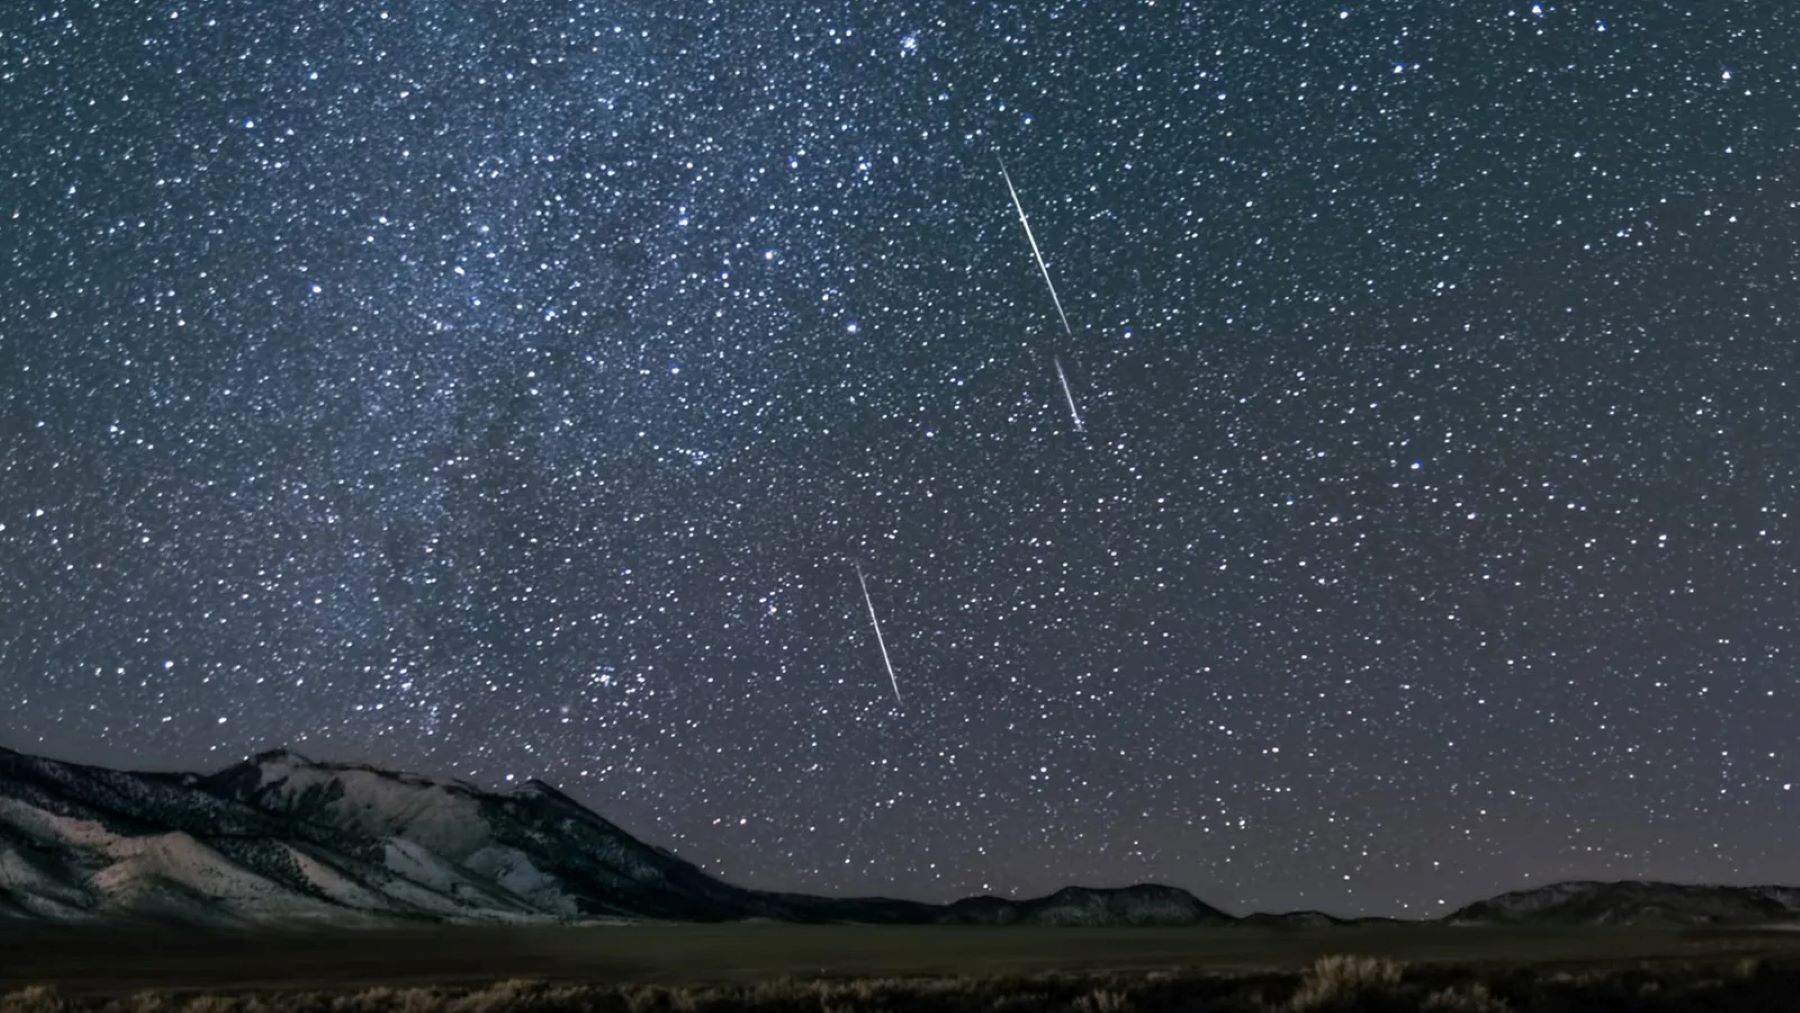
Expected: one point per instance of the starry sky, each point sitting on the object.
(512, 389)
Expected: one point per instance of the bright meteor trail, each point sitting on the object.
(879, 639)
(1073, 411)
(1038, 255)
(1035, 252)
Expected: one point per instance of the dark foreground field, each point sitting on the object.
(821, 968)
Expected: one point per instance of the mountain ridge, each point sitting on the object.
(281, 839)
(1635, 902)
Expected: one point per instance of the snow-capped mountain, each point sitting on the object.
(534, 851)
(280, 839)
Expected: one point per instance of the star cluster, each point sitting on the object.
(511, 389)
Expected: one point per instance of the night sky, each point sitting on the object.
(513, 389)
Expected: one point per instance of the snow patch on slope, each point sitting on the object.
(49, 828)
(442, 817)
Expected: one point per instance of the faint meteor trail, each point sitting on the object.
(879, 639)
(1035, 252)
(1068, 394)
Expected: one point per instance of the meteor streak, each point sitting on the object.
(1074, 412)
(1035, 252)
(879, 639)
(1038, 255)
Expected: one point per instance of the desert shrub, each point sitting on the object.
(1346, 980)
(1021, 1001)
(659, 999)
(397, 1000)
(1102, 1000)
(33, 999)
(141, 1002)
(505, 996)
(1473, 999)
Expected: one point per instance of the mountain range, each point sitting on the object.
(280, 840)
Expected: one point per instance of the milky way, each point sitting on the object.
(500, 390)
